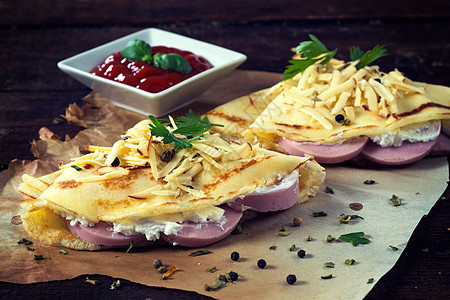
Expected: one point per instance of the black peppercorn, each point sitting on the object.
(166, 155)
(339, 118)
(116, 162)
(291, 279)
(157, 263)
(262, 263)
(233, 276)
(301, 253)
(235, 256)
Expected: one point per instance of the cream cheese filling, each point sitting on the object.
(421, 132)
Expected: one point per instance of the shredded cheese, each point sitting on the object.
(137, 148)
(323, 91)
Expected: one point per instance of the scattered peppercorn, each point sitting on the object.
(38, 257)
(233, 276)
(157, 263)
(297, 221)
(329, 190)
(116, 162)
(262, 263)
(369, 181)
(301, 253)
(339, 118)
(291, 279)
(166, 155)
(235, 256)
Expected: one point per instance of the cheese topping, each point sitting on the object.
(339, 88)
(334, 102)
(138, 149)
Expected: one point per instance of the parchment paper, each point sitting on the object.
(418, 185)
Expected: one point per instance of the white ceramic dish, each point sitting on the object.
(158, 104)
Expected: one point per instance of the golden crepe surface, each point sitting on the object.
(141, 185)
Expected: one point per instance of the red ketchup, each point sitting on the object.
(146, 77)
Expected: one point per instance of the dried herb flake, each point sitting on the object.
(396, 201)
(319, 214)
(200, 252)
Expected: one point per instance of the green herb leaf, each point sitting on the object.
(370, 280)
(38, 257)
(129, 247)
(162, 269)
(330, 238)
(310, 52)
(273, 247)
(138, 50)
(212, 269)
(345, 122)
(191, 125)
(292, 248)
(328, 190)
(77, 168)
(355, 238)
(172, 61)
(91, 281)
(24, 241)
(329, 276)
(349, 261)
(238, 229)
(396, 201)
(345, 218)
(62, 251)
(329, 264)
(30, 249)
(393, 248)
(200, 252)
(283, 231)
(57, 121)
(216, 286)
(115, 284)
(366, 58)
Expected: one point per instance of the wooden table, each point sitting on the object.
(34, 36)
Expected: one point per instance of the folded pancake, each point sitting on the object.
(329, 104)
(370, 101)
(141, 178)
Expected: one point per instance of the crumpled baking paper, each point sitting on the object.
(387, 227)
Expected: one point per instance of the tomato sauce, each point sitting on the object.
(147, 77)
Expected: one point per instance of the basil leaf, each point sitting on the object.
(138, 50)
(172, 61)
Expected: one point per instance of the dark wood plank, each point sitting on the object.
(114, 12)
(35, 36)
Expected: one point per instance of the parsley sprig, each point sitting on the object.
(314, 51)
(355, 238)
(310, 52)
(189, 128)
(365, 58)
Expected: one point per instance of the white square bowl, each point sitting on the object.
(164, 102)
